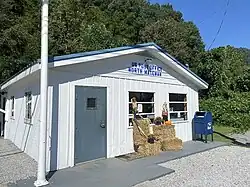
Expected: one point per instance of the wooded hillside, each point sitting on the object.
(85, 25)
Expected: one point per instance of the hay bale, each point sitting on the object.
(144, 124)
(149, 149)
(164, 132)
(139, 139)
(171, 145)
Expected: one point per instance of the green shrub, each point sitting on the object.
(233, 111)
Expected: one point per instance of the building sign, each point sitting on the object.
(145, 69)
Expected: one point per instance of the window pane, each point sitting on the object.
(178, 107)
(151, 117)
(12, 102)
(130, 108)
(177, 97)
(12, 106)
(26, 112)
(130, 122)
(29, 111)
(91, 103)
(4, 102)
(146, 108)
(179, 116)
(141, 96)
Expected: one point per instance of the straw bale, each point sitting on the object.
(149, 149)
(140, 139)
(172, 145)
(144, 124)
(164, 132)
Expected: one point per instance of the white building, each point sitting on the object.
(88, 102)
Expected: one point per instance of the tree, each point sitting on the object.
(243, 80)
(96, 37)
(221, 68)
(19, 35)
(180, 39)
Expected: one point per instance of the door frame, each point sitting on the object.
(71, 130)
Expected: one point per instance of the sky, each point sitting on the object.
(208, 14)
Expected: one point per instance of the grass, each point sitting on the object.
(224, 130)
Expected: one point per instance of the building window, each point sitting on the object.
(178, 107)
(146, 105)
(28, 101)
(91, 103)
(12, 106)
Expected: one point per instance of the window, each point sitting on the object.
(12, 106)
(28, 101)
(178, 107)
(91, 103)
(145, 102)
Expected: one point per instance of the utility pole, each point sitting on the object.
(41, 169)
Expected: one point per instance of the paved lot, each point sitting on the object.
(14, 164)
(119, 173)
(243, 138)
(227, 166)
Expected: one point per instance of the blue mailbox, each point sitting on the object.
(203, 124)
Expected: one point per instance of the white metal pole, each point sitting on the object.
(41, 170)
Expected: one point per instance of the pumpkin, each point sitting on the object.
(168, 122)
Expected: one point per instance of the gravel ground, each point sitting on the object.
(6, 147)
(221, 167)
(14, 164)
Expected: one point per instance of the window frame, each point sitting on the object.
(185, 111)
(130, 116)
(28, 109)
(12, 107)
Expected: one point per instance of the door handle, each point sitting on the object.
(102, 125)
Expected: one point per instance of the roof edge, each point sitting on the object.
(97, 52)
(104, 51)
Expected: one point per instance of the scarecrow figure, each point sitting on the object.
(165, 111)
(134, 106)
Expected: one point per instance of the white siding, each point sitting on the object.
(22, 134)
(26, 136)
(111, 73)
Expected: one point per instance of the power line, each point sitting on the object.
(201, 22)
(222, 21)
(211, 16)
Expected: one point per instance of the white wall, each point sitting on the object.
(24, 135)
(111, 73)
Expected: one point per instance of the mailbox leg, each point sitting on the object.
(206, 138)
(212, 137)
